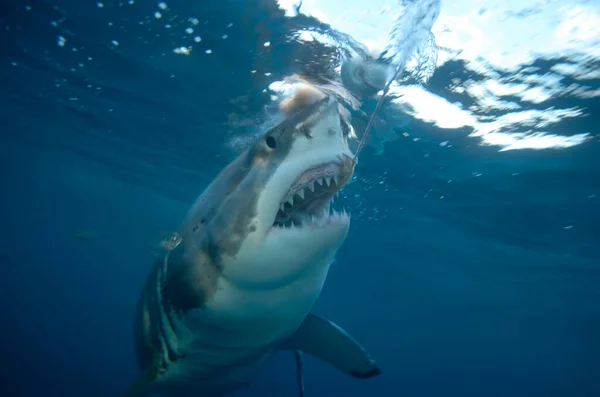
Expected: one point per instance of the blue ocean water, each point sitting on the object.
(469, 270)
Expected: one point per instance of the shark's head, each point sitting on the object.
(268, 214)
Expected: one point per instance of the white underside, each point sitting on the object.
(226, 343)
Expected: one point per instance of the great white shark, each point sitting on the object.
(239, 278)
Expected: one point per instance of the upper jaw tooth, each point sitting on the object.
(324, 181)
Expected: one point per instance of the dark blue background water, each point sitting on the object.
(484, 292)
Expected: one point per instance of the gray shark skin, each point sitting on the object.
(237, 281)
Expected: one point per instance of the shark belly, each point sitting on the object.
(223, 345)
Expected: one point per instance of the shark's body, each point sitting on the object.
(235, 284)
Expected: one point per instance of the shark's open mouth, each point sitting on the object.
(310, 197)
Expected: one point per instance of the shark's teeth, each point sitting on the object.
(321, 219)
(302, 206)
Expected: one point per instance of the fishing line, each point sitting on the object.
(365, 135)
(299, 372)
(416, 20)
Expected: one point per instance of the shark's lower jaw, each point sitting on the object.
(309, 200)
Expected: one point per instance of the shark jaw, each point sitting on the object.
(308, 203)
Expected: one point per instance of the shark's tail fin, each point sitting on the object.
(141, 385)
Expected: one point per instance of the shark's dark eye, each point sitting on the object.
(270, 141)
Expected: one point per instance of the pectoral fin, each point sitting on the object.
(323, 339)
